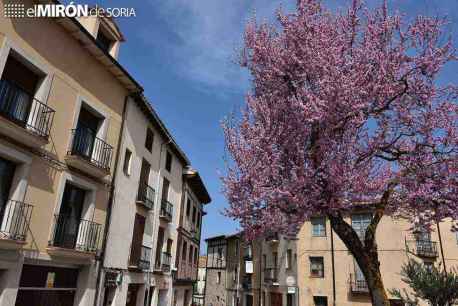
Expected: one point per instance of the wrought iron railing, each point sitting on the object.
(21, 108)
(358, 285)
(166, 210)
(86, 145)
(187, 271)
(15, 218)
(146, 195)
(74, 233)
(145, 258)
(163, 263)
(422, 248)
(270, 275)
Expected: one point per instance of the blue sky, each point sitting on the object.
(182, 52)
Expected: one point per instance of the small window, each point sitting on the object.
(194, 214)
(218, 278)
(168, 162)
(103, 41)
(289, 259)
(127, 162)
(316, 267)
(149, 140)
(188, 208)
(318, 227)
(320, 300)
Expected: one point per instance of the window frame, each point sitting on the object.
(321, 223)
(149, 140)
(313, 261)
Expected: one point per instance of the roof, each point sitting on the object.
(202, 261)
(224, 237)
(197, 185)
(76, 29)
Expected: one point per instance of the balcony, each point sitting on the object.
(422, 248)
(270, 275)
(247, 283)
(73, 237)
(89, 154)
(15, 217)
(145, 258)
(166, 212)
(163, 262)
(145, 195)
(187, 271)
(22, 117)
(358, 285)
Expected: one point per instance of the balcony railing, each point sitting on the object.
(15, 218)
(358, 285)
(146, 195)
(247, 283)
(21, 108)
(87, 146)
(163, 264)
(270, 275)
(166, 210)
(73, 233)
(145, 258)
(187, 271)
(422, 248)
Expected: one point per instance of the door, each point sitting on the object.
(132, 292)
(137, 240)
(85, 134)
(275, 299)
(160, 243)
(249, 300)
(163, 298)
(69, 218)
(7, 169)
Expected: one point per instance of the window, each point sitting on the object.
(320, 300)
(218, 278)
(318, 227)
(264, 261)
(198, 220)
(316, 267)
(149, 140)
(289, 259)
(360, 222)
(104, 41)
(194, 214)
(168, 162)
(275, 259)
(220, 253)
(191, 251)
(290, 299)
(196, 257)
(127, 162)
(188, 208)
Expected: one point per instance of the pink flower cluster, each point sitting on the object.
(342, 106)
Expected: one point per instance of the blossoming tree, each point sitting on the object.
(344, 111)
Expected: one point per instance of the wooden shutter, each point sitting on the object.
(137, 240)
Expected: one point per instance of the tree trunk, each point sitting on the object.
(365, 254)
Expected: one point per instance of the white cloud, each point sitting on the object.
(208, 34)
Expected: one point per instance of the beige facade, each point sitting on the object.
(396, 244)
(61, 108)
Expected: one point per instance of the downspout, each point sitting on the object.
(333, 270)
(205, 281)
(440, 244)
(110, 204)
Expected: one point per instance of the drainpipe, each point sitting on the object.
(110, 204)
(440, 243)
(333, 270)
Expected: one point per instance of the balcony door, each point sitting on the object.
(137, 240)
(69, 217)
(7, 169)
(17, 88)
(86, 133)
(160, 243)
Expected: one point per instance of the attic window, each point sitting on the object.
(104, 41)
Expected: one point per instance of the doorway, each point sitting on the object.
(275, 299)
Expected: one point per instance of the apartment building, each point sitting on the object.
(330, 275)
(194, 197)
(62, 96)
(199, 290)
